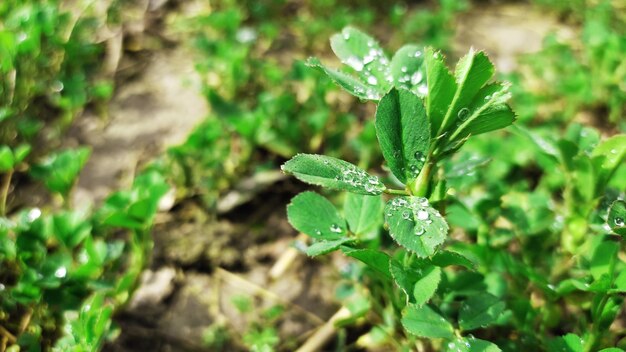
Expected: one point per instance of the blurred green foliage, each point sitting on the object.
(528, 207)
(583, 74)
(49, 57)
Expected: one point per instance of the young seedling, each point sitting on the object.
(10, 159)
(425, 114)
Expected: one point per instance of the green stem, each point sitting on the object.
(400, 192)
(596, 334)
(4, 192)
(419, 187)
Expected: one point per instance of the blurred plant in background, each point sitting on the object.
(519, 202)
(579, 78)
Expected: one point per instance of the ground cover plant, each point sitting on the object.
(580, 75)
(65, 270)
(424, 289)
(443, 209)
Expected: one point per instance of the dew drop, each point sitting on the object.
(335, 228)
(613, 151)
(463, 114)
(318, 232)
(372, 80)
(419, 156)
(419, 230)
(246, 35)
(355, 63)
(57, 86)
(422, 214)
(423, 89)
(33, 214)
(404, 69)
(416, 78)
(22, 37)
(60, 272)
(619, 222)
(406, 215)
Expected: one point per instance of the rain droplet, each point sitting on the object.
(423, 89)
(346, 34)
(33, 214)
(463, 114)
(372, 80)
(613, 151)
(416, 78)
(318, 232)
(619, 222)
(246, 35)
(406, 215)
(419, 230)
(404, 69)
(57, 86)
(419, 156)
(60, 272)
(335, 228)
(422, 214)
(355, 63)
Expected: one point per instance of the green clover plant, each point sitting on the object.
(425, 113)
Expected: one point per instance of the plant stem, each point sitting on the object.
(286, 259)
(595, 335)
(419, 187)
(396, 191)
(7, 334)
(4, 192)
(325, 332)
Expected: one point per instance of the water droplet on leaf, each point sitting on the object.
(422, 215)
(416, 78)
(463, 114)
(355, 63)
(60, 272)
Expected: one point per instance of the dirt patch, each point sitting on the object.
(156, 109)
(506, 31)
(201, 265)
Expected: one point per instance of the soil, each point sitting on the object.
(201, 261)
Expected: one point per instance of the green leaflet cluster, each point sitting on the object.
(424, 114)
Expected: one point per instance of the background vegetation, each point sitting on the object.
(527, 206)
